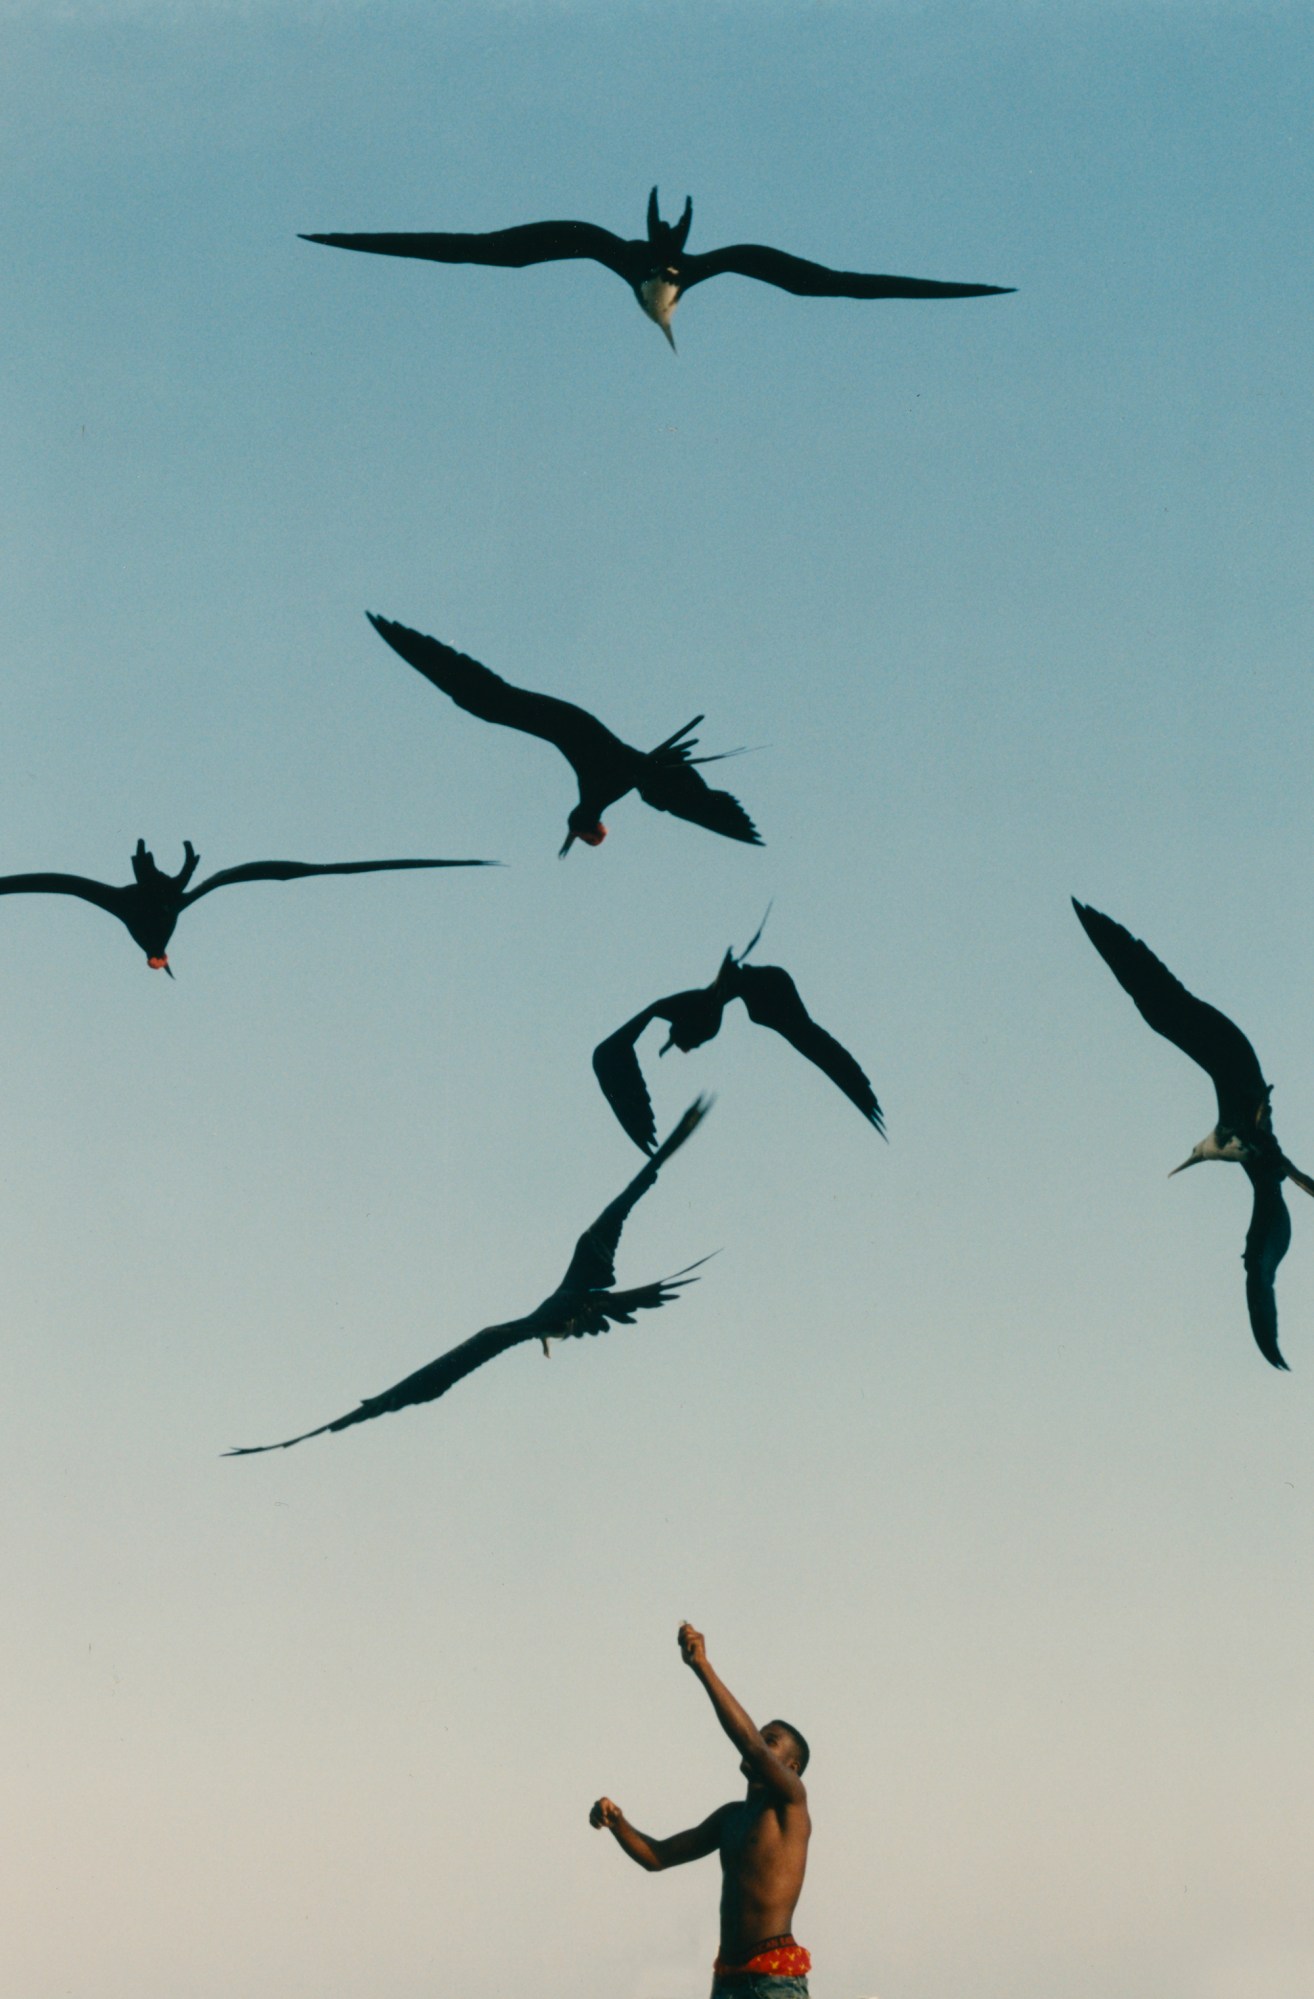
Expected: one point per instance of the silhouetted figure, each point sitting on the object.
(1244, 1132)
(657, 267)
(762, 1841)
(149, 906)
(605, 766)
(583, 1302)
(772, 1000)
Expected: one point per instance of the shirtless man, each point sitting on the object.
(762, 1840)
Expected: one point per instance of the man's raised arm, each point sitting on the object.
(761, 1756)
(655, 1854)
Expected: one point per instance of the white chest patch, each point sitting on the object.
(1233, 1148)
(659, 298)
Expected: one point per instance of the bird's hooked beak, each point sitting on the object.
(593, 838)
(160, 965)
(1194, 1160)
(667, 1045)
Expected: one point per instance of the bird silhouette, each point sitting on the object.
(149, 906)
(1244, 1131)
(605, 766)
(657, 267)
(771, 999)
(583, 1303)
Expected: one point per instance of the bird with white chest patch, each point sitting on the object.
(1244, 1131)
(657, 267)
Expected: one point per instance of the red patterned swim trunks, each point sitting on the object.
(777, 1969)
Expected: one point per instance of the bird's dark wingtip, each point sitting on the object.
(385, 625)
(1263, 1326)
(689, 1123)
(258, 1450)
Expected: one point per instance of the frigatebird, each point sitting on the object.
(149, 906)
(771, 999)
(1244, 1132)
(605, 766)
(657, 267)
(583, 1303)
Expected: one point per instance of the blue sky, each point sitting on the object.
(960, 1452)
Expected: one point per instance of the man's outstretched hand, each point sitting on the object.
(606, 1814)
(693, 1646)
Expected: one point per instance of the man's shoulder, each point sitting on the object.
(740, 1818)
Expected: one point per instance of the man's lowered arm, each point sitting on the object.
(655, 1854)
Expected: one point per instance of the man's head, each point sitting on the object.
(784, 1741)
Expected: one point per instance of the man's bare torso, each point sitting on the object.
(763, 1843)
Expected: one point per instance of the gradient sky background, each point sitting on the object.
(961, 1452)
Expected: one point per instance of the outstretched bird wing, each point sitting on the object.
(286, 871)
(772, 1000)
(616, 1066)
(809, 280)
(425, 1385)
(1267, 1240)
(580, 737)
(103, 894)
(593, 1266)
(678, 788)
(428, 1383)
(527, 243)
(1199, 1030)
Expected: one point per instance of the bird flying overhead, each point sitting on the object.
(605, 766)
(149, 906)
(657, 267)
(583, 1302)
(1244, 1132)
(771, 999)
